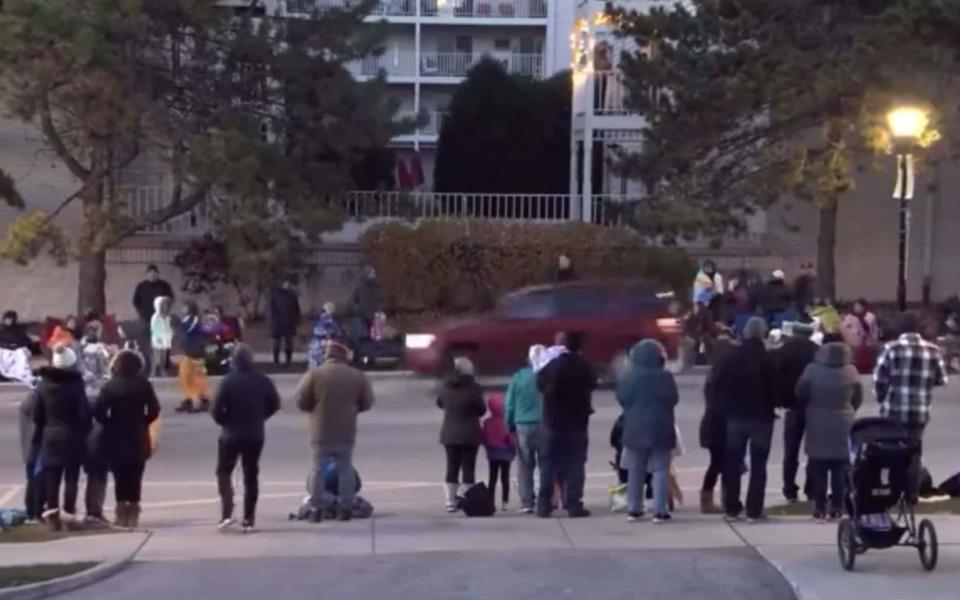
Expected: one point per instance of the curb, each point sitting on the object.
(61, 585)
(798, 591)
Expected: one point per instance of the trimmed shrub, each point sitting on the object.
(454, 266)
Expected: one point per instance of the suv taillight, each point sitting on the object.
(669, 325)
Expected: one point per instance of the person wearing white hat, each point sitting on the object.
(62, 417)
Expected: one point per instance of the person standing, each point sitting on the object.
(461, 401)
(284, 320)
(907, 371)
(126, 407)
(747, 384)
(161, 335)
(144, 299)
(62, 416)
(862, 334)
(713, 425)
(567, 384)
(334, 394)
(30, 441)
(648, 395)
(367, 301)
(793, 358)
(501, 447)
(244, 402)
(565, 271)
(193, 370)
(708, 284)
(524, 413)
(830, 392)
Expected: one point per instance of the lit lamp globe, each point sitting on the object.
(907, 124)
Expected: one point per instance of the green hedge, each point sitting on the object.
(463, 265)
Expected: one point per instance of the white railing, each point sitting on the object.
(485, 9)
(144, 200)
(609, 96)
(434, 124)
(400, 8)
(458, 64)
(392, 63)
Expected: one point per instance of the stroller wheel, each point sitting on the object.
(847, 543)
(927, 545)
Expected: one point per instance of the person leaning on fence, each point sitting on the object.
(333, 395)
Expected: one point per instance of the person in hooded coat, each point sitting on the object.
(126, 407)
(461, 400)
(831, 392)
(244, 402)
(648, 394)
(62, 415)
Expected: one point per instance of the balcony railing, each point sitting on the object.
(504, 9)
(402, 64)
(457, 64)
(609, 93)
(399, 8)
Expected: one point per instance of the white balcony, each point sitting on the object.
(394, 64)
(609, 93)
(386, 8)
(485, 9)
(457, 64)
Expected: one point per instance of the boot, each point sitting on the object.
(707, 505)
(121, 513)
(133, 515)
(450, 491)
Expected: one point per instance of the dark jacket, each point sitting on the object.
(15, 336)
(193, 341)
(96, 458)
(30, 437)
(713, 425)
(462, 402)
(648, 395)
(830, 390)
(284, 312)
(792, 360)
(126, 407)
(747, 383)
(62, 416)
(368, 299)
(146, 292)
(567, 384)
(245, 400)
(563, 275)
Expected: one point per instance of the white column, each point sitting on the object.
(549, 63)
(416, 77)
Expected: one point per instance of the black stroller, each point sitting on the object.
(885, 461)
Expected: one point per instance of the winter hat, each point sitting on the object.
(536, 351)
(779, 274)
(337, 351)
(463, 366)
(755, 329)
(63, 357)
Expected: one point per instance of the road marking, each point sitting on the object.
(10, 495)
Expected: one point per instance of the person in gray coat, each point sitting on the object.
(829, 391)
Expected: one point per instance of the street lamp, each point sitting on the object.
(907, 126)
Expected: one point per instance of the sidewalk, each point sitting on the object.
(87, 548)
(805, 553)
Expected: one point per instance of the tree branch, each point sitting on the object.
(57, 143)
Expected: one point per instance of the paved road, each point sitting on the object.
(402, 464)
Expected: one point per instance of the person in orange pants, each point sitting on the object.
(192, 372)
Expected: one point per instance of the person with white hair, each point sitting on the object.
(524, 413)
(461, 400)
(63, 418)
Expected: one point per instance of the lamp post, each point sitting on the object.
(907, 125)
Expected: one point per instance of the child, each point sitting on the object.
(500, 447)
(161, 335)
(192, 372)
(324, 330)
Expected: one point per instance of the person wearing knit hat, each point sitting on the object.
(333, 395)
(747, 385)
(62, 417)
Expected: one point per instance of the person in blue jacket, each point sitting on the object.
(648, 394)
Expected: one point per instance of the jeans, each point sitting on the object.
(33, 492)
(160, 358)
(837, 471)
(70, 475)
(564, 458)
(758, 434)
(96, 491)
(461, 460)
(794, 425)
(529, 440)
(639, 462)
(287, 342)
(320, 498)
(915, 432)
(248, 452)
(500, 468)
(714, 470)
(128, 482)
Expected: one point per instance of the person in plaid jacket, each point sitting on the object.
(906, 373)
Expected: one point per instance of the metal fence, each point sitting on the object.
(504, 9)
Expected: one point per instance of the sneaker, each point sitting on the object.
(225, 524)
(662, 518)
(185, 406)
(792, 499)
(526, 510)
(731, 518)
(756, 519)
(95, 521)
(634, 517)
(818, 515)
(345, 515)
(504, 507)
(248, 527)
(578, 513)
(451, 508)
(836, 515)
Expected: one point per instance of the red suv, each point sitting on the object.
(612, 316)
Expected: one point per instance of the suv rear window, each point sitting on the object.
(537, 305)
